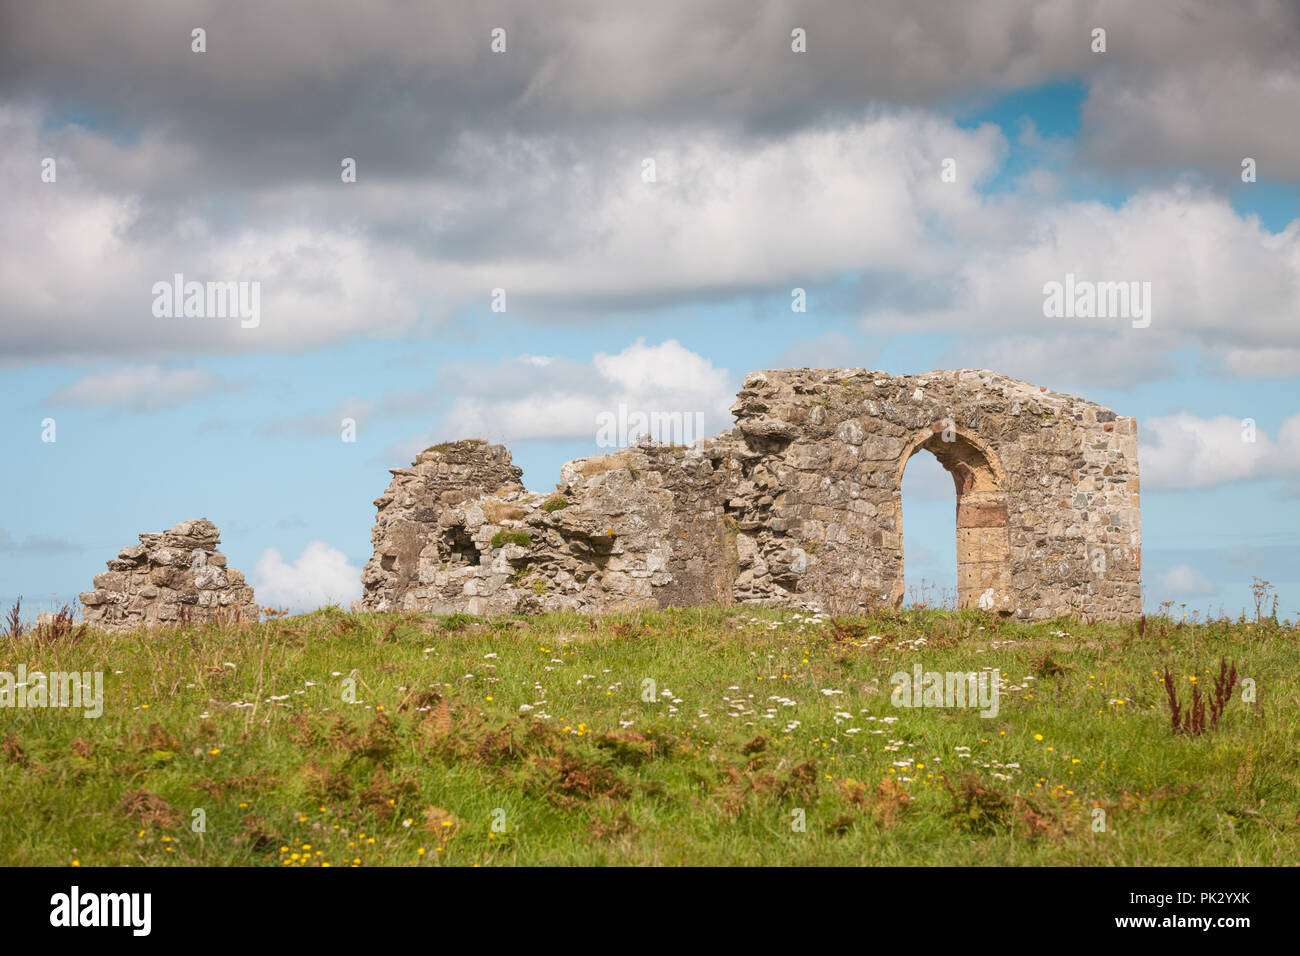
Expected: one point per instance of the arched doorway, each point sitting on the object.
(929, 538)
(983, 543)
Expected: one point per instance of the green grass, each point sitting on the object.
(503, 537)
(539, 728)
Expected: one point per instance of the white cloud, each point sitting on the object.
(561, 399)
(1216, 279)
(667, 368)
(563, 221)
(140, 388)
(78, 258)
(320, 576)
(1184, 451)
(1184, 581)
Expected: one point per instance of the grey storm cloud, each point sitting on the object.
(521, 169)
(284, 87)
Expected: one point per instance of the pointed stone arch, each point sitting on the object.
(983, 536)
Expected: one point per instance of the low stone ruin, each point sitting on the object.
(176, 577)
(799, 505)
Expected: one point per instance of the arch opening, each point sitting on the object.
(929, 545)
(981, 518)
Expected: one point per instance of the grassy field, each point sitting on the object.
(768, 737)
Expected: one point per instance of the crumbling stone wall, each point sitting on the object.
(408, 524)
(800, 504)
(174, 577)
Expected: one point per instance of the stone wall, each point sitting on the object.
(800, 504)
(171, 578)
(407, 524)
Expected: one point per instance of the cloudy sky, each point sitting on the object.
(615, 209)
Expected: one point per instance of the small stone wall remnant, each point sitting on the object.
(171, 578)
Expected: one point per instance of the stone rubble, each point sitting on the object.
(171, 578)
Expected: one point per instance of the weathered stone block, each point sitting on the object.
(981, 514)
(982, 544)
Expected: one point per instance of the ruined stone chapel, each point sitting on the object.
(798, 505)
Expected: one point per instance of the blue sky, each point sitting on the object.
(665, 294)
